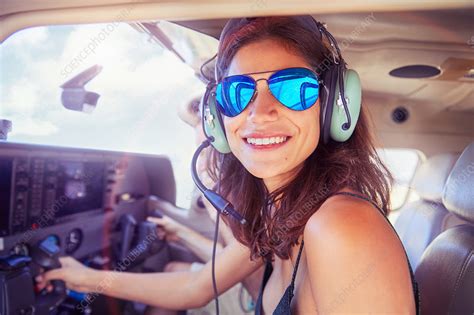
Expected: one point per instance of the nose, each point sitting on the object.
(263, 106)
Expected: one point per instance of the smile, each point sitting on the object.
(266, 143)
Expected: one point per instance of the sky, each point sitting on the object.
(141, 86)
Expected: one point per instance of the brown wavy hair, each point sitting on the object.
(353, 164)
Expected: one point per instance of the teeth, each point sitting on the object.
(266, 141)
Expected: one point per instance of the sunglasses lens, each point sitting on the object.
(234, 93)
(296, 88)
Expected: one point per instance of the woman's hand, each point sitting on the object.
(163, 205)
(73, 273)
(171, 228)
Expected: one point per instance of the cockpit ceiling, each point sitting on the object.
(19, 14)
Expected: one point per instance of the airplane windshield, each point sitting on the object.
(139, 86)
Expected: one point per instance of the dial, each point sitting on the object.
(73, 241)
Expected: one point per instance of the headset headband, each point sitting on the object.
(306, 21)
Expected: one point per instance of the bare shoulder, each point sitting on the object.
(343, 217)
(355, 259)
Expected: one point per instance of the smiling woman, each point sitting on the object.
(327, 167)
(279, 180)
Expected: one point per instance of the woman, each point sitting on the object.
(351, 260)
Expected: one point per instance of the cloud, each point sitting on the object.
(30, 127)
(21, 97)
(30, 36)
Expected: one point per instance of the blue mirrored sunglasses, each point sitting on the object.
(295, 88)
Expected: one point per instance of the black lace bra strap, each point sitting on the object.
(293, 277)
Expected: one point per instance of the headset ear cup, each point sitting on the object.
(353, 94)
(213, 125)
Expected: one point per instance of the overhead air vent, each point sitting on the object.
(400, 115)
(415, 72)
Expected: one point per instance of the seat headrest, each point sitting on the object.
(431, 176)
(458, 195)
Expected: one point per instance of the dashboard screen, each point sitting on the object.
(35, 191)
(81, 184)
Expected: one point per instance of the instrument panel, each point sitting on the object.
(90, 204)
(39, 190)
(70, 192)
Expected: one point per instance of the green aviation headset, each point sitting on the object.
(340, 101)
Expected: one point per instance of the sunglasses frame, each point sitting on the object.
(255, 90)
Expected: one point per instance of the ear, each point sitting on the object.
(213, 124)
(353, 94)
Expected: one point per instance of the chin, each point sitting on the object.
(259, 173)
(267, 171)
